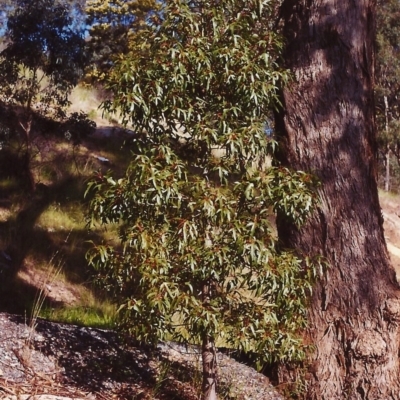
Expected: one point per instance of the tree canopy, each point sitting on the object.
(41, 46)
(113, 25)
(43, 59)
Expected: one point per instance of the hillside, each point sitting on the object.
(48, 361)
(43, 240)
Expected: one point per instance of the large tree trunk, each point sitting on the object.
(327, 127)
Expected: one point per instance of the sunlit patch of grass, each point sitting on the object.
(87, 99)
(94, 313)
(5, 214)
(58, 299)
(64, 218)
(84, 98)
(69, 228)
(10, 188)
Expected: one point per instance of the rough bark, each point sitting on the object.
(327, 127)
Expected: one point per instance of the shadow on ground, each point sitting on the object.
(102, 362)
(62, 170)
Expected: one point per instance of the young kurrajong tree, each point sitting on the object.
(200, 262)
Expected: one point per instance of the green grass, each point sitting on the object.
(57, 217)
(101, 314)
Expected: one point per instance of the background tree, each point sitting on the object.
(8, 6)
(199, 260)
(5, 6)
(113, 25)
(388, 82)
(327, 126)
(41, 63)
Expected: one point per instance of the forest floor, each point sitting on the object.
(43, 360)
(53, 361)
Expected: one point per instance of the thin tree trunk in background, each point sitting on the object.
(387, 159)
(327, 126)
(387, 169)
(27, 157)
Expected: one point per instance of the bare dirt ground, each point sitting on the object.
(391, 213)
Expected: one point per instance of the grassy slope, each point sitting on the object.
(45, 232)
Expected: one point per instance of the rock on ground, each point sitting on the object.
(49, 361)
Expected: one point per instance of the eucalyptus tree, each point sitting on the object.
(112, 27)
(42, 61)
(199, 260)
(5, 6)
(327, 126)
